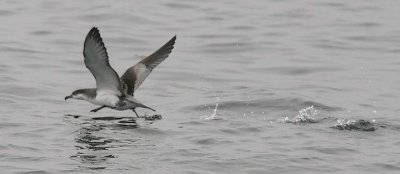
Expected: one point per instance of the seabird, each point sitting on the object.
(112, 91)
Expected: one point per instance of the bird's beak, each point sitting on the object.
(68, 97)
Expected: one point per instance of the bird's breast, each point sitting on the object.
(106, 99)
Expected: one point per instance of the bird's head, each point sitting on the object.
(82, 94)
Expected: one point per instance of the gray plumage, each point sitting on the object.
(112, 91)
(135, 75)
(96, 60)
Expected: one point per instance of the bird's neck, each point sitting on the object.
(89, 94)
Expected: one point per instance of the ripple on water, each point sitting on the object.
(6, 13)
(4, 68)
(21, 91)
(294, 14)
(296, 70)
(241, 27)
(5, 125)
(181, 5)
(388, 167)
(264, 104)
(330, 4)
(332, 150)
(230, 47)
(19, 49)
(41, 32)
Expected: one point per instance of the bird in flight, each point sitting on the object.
(111, 90)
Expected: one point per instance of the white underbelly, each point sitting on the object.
(106, 99)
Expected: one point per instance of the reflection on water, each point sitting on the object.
(97, 136)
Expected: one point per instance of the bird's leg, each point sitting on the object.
(97, 109)
(135, 112)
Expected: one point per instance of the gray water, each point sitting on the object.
(239, 71)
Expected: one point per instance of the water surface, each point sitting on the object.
(239, 68)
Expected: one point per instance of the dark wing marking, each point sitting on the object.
(135, 75)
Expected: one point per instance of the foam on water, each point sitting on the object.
(306, 115)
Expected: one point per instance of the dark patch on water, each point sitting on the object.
(207, 141)
(356, 125)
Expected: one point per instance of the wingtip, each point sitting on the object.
(94, 30)
(94, 33)
(94, 36)
(172, 41)
(170, 44)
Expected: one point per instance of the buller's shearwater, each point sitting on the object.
(112, 91)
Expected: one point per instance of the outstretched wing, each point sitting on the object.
(96, 60)
(135, 75)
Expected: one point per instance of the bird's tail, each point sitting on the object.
(139, 104)
(144, 106)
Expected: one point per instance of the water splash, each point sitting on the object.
(359, 125)
(152, 117)
(213, 116)
(306, 115)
